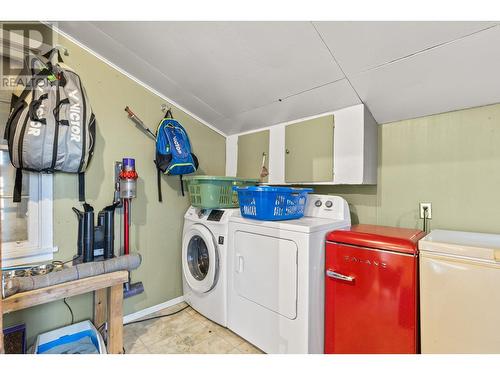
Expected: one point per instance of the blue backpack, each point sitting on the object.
(173, 151)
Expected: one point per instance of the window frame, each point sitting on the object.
(40, 244)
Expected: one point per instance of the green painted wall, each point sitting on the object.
(451, 160)
(156, 230)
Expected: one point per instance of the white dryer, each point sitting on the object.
(204, 253)
(276, 277)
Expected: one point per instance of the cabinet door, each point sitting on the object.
(251, 149)
(309, 150)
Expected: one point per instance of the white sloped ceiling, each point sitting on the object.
(239, 76)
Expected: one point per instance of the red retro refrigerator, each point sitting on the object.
(371, 290)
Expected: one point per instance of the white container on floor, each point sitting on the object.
(70, 333)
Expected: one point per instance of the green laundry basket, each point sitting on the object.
(215, 191)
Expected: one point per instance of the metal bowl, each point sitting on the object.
(58, 265)
(41, 269)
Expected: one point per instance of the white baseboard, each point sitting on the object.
(150, 310)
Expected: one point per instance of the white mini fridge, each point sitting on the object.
(460, 292)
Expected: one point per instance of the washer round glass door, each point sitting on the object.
(200, 261)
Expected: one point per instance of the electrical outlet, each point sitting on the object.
(429, 210)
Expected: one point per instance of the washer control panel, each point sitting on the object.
(215, 215)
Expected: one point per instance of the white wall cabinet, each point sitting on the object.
(354, 149)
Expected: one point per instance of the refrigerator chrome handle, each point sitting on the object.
(335, 275)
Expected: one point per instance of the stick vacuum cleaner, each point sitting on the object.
(127, 185)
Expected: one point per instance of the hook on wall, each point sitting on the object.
(62, 49)
(165, 107)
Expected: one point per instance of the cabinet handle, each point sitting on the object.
(287, 151)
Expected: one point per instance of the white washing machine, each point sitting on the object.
(276, 277)
(204, 252)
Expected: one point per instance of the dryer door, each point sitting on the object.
(266, 272)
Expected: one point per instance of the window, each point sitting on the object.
(26, 227)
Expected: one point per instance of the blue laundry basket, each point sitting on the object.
(271, 203)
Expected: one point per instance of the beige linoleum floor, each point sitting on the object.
(184, 333)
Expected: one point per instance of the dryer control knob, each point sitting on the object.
(328, 204)
(318, 203)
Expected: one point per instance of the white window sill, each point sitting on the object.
(29, 256)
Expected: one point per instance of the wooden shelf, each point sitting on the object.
(108, 298)
(52, 293)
